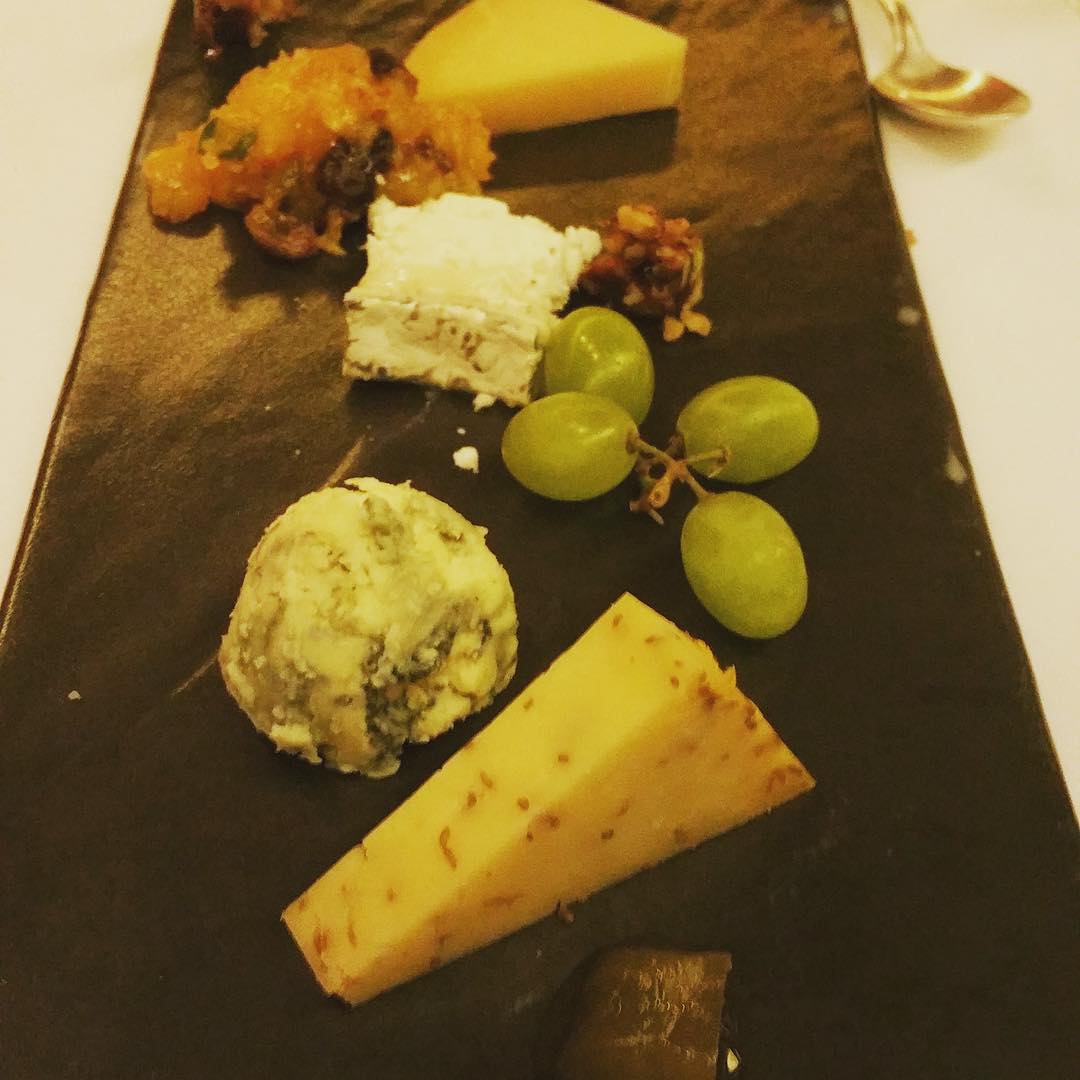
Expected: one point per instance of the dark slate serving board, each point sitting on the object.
(915, 916)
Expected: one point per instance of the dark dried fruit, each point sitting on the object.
(281, 232)
(222, 24)
(346, 175)
(382, 62)
(218, 28)
(649, 1013)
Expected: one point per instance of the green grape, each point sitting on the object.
(600, 352)
(744, 564)
(767, 426)
(570, 446)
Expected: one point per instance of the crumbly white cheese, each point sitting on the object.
(371, 615)
(460, 293)
(467, 458)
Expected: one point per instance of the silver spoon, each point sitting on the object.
(926, 89)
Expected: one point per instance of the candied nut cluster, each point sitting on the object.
(221, 23)
(651, 265)
(303, 145)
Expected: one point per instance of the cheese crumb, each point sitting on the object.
(954, 468)
(467, 458)
(74, 696)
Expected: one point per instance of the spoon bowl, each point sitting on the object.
(923, 87)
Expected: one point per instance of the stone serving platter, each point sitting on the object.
(914, 916)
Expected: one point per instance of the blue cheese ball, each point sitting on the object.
(371, 615)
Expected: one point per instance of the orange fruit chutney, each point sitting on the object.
(304, 144)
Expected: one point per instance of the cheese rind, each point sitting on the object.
(530, 64)
(444, 345)
(634, 745)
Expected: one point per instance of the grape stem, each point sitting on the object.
(659, 470)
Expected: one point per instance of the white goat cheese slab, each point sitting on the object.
(460, 293)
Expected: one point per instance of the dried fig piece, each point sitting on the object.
(649, 1013)
(220, 24)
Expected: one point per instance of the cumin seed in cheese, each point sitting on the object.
(461, 294)
(371, 615)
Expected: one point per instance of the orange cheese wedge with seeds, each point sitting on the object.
(631, 747)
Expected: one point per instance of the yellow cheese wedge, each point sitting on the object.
(631, 747)
(529, 64)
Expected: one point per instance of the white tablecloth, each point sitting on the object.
(997, 222)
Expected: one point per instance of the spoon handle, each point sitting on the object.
(905, 33)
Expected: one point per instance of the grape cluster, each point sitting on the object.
(581, 439)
